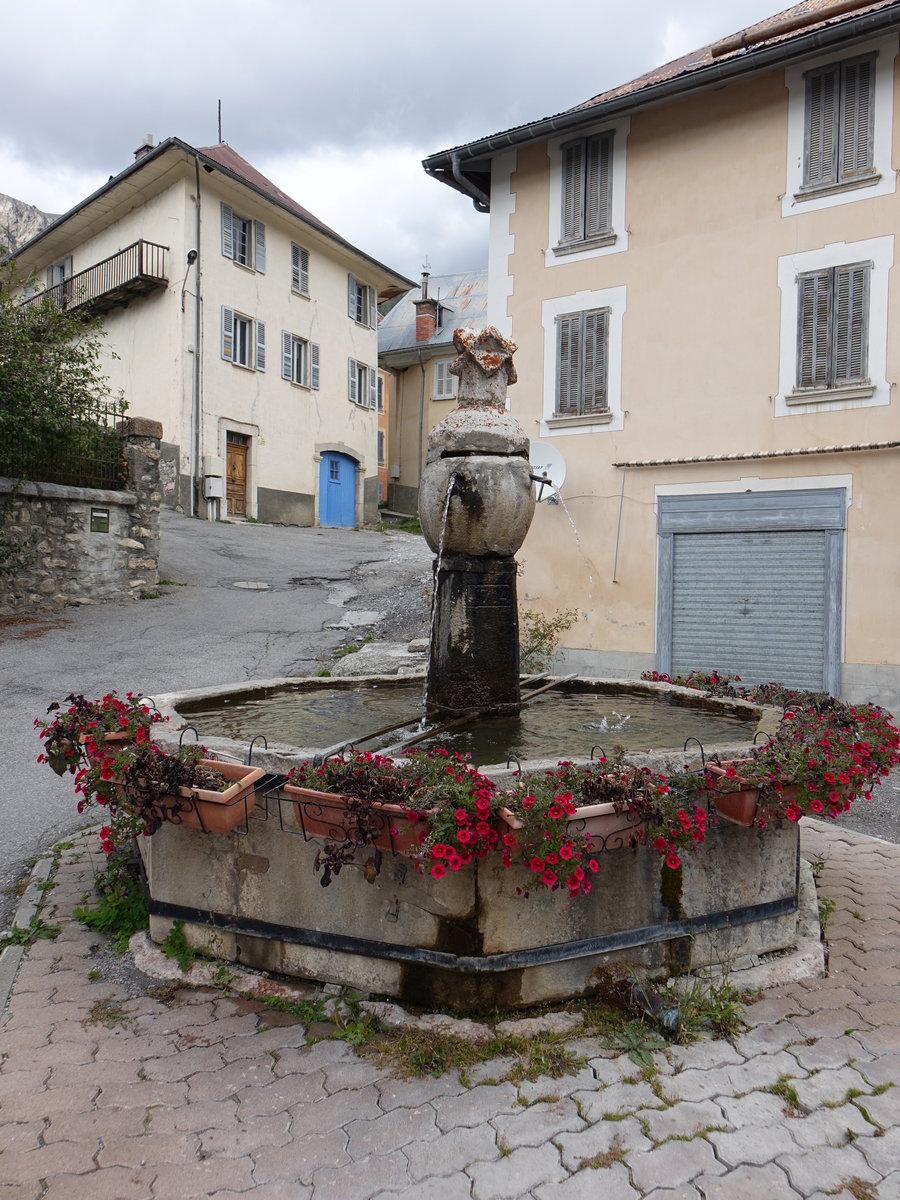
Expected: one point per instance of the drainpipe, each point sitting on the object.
(480, 199)
(421, 416)
(195, 399)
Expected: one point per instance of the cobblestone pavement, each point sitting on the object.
(200, 1094)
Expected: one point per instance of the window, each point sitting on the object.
(361, 302)
(334, 470)
(839, 123)
(380, 394)
(243, 340)
(381, 447)
(243, 240)
(832, 326)
(299, 269)
(444, 382)
(362, 384)
(582, 341)
(299, 360)
(586, 189)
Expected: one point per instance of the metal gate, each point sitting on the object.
(337, 490)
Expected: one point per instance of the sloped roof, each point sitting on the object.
(463, 301)
(802, 29)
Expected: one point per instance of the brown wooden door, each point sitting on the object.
(236, 487)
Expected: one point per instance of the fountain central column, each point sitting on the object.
(476, 503)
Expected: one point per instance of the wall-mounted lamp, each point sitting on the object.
(192, 256)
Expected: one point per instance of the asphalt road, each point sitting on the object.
(204, 629)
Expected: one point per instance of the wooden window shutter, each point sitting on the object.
(373, 310)
(259, 233)
(568, 356)
(314, 366)
(857, 106)
(299, 269)
(351, 379)
(351, 296)
(287, 355)
(373, 388)
(227, 231)
(228, 333)
(594, 372)
(820, 140)
(260, 345)
(850, 322)
(813, 327)
(572, 224)
(598, 185)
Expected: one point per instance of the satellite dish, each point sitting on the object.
(548, 464)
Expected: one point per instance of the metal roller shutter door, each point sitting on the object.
(753, 604)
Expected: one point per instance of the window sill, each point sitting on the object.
(304, 387)
(244, 266)
(301, 295)
(439, 399)
(364, 407)
(362, 324)
(597, 243)
(814, 191)
(858, 391)
(598, 418)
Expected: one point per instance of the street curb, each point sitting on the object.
(26, 910)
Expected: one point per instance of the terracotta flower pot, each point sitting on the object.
(607, 828)
(737, 803)
(217, 812)
(325, 815)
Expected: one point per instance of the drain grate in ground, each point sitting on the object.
(252, 585)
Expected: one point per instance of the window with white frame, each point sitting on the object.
(833, 327)
(586, 210)
(362, 384)
(361, 302)
(381, 447)
(243, 240)
(444, 382)
(299, 269)
(582, 363)
(299, 360)
(243, 340)
(839, 123)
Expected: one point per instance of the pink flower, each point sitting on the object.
(673, 862)
(438, 870)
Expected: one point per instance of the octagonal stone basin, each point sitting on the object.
(467, 941)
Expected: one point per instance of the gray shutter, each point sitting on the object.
(373, 388)
(260, 345)
(820, 141)
(568, 364)
(351, 379)
(373, 310)
(287, 355)
(572, 224)
(304, 271)
(259, 262)
(228, 333)
(314, 366)
(227, 231)
(299, 269)
(850, 321)
(596, 338)
(598, 214)
(813, 325)
(351, 297)
(857, 104)
(295, 267)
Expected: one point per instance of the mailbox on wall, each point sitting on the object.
(213, 477)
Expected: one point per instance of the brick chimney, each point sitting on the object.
(426, 313)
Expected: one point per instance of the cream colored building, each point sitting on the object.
(415, 347)
(697, 267)
(241, 322)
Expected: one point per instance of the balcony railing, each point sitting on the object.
(138, 269)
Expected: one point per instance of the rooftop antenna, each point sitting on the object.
(220, 120)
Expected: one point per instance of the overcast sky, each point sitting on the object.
(337, 101)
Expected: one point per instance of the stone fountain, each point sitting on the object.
(476, 502)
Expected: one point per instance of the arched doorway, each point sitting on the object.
(337, 490)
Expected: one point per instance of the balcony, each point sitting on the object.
(135, 271)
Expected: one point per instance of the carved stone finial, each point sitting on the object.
(484, 367)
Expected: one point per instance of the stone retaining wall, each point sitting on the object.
(56, 559)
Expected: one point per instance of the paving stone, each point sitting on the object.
(351, 1073)
(21, 1136)
(767, 1039)
(829, 1127)
(277, 1040)
(882, 1153)
(334, 1111)
(683, 1119)
(279, 1190)
(827, 1169)
(688, 1192)
(889, 1188)
(28, 1166)
(96, 1074)
(537, 1124)
(517, 1173)
(702, 1056)
(625, 1136)
(391, 1131)
(827, 1053)
(193, 1118)
(200, 1178)
(358, 1180)
(617, 1098)
(775, 1008)
(453, 1187)
(82, 1124)
(828, 1087)
(608, 1183)
(452, 1152)
(884, 1109)
(142, 1095)
(183, 1064)
(307, 1060)
(112, 1183)
(832, 1022)
(52, 1101)
(227, 1081)
(700, 1085)
(673, 1164)
(611, 1070)
(410, 1093)
(880, 1041)
(492, 1071)
(747, 1183)
(246, 1137)
(563, 1085)
(149, 1149)
(301, 1157)
(763, 1071)
(746, 1146)
(475, 1107)
(268, 1098)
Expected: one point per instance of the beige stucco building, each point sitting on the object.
(698, 269)
(241, 322)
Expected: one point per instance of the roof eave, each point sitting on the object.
(441, 165)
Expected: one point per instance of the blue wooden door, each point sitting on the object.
(337, 490)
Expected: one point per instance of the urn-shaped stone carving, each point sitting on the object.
(476, 503)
